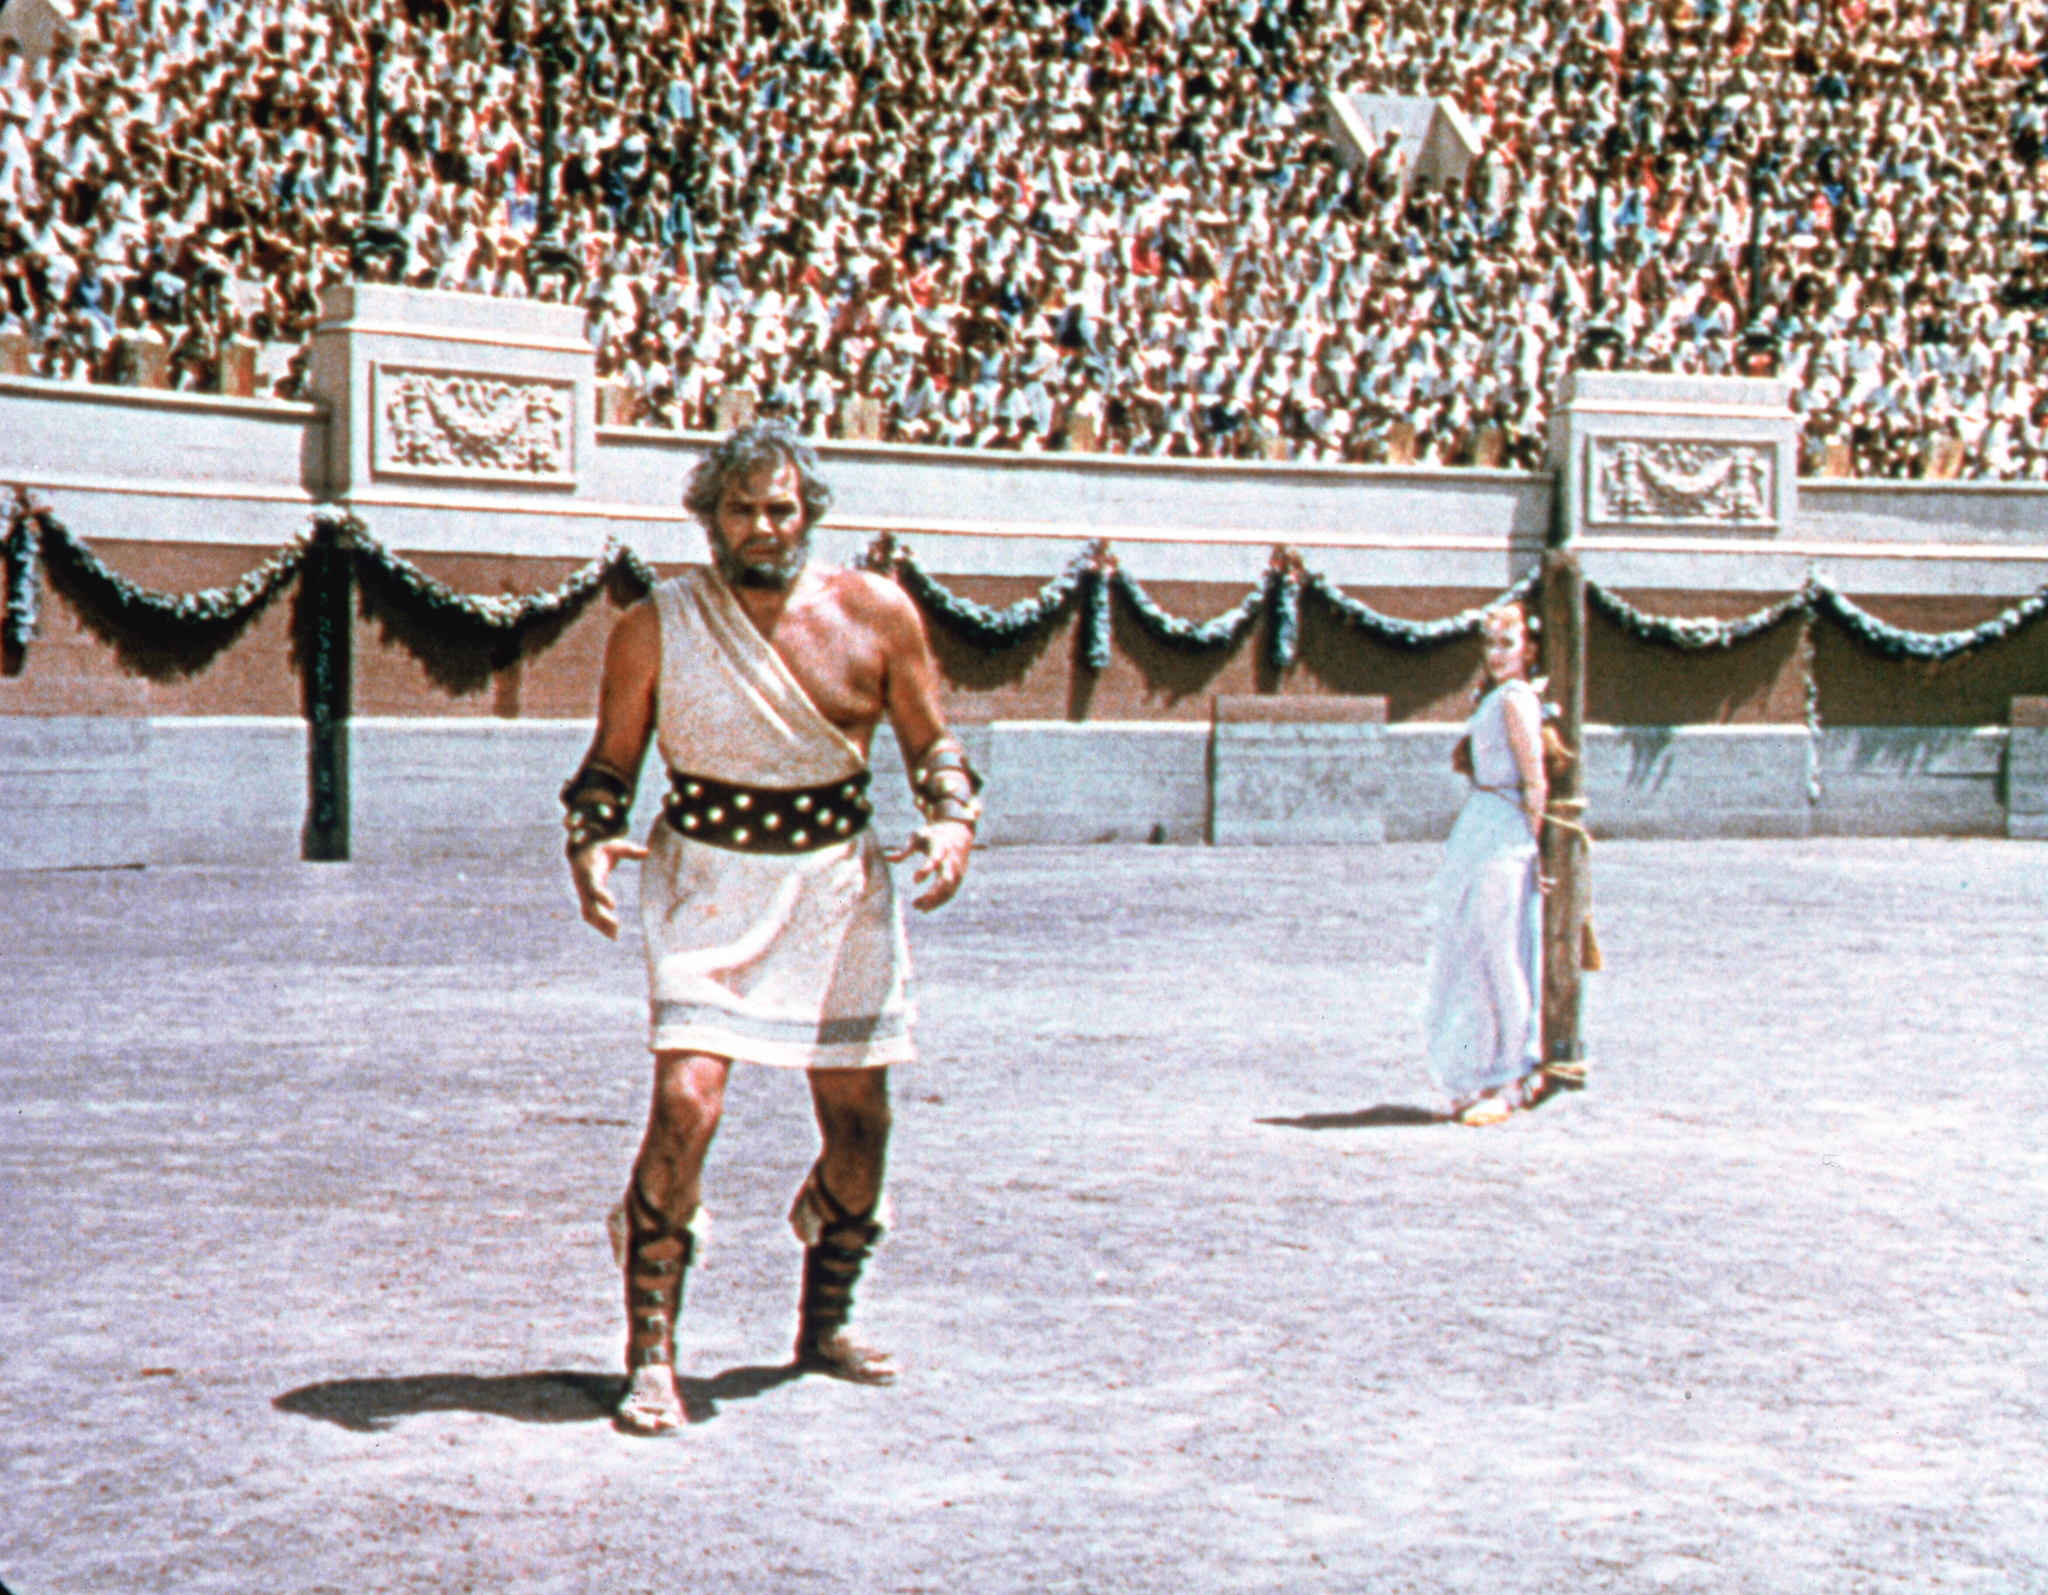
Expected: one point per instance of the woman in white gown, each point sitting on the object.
(1483, 1007)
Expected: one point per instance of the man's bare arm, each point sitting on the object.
(910, 694)
(625, 721)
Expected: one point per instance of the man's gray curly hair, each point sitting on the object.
(764, 446)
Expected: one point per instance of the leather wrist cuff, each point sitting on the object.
(946, 785)
(598, 801)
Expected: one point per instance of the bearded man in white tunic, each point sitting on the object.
(773, 932)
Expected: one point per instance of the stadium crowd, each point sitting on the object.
(1106, 224)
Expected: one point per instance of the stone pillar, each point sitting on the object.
(1638, 455)
(1656, 455)
(444, 401)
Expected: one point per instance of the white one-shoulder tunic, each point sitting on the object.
(797, 961)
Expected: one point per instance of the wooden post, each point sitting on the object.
(326, 615)
(1565, 861)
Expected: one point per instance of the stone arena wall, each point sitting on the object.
(452, 747)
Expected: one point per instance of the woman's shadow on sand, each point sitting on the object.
(367, 1406)
(1381, 1116)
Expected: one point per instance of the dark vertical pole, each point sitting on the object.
(1756, 245)
(1599, 342)
(1597, 248)
(549, 56)
(373, 197)
(375, 240)
(326, 655)
(1565, 861)
(554, 51)
(1759, 349)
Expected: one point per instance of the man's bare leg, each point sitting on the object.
(837, 1218)
(854, 1120)
(662, 1202)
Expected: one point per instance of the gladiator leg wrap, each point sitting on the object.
(837, 1244)
(657, 1256)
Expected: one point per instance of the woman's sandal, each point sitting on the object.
(1488, 1108)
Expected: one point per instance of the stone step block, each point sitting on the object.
(1107, 781)
(1298, 770)
(1697, 781)
(226, 790)
(74, 792)
(1911, 781)
(1424, 793)
(2026, 771)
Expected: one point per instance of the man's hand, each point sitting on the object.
(945, 845)
(592, 868)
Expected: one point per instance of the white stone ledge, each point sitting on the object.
(1595, 544)
(494, 340)
(1823, 487)
(284, 411)
(1058, 462)
(1080, 533)
(175, 467)
(512, 503)
(159, 487)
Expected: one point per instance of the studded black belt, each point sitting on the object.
(767, 819)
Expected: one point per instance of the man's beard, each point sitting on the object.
(778, 576)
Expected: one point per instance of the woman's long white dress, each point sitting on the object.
(1482, 1007)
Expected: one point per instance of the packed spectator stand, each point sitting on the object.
(1115, 225)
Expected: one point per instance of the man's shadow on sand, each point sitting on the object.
(368, 1406)
(1382, 1116)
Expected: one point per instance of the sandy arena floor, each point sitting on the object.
(303, 1285)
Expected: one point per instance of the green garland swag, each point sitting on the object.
(1414, 633)
(1818, 597)
(35, 535)
(494, 612)
(36, 532)
(24, 582)
(1696, 633)
(1093, 578)
(1197, 636)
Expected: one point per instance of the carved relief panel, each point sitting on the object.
(464, 426)
(1717, 486)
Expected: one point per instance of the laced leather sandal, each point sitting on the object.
(657, 1256)
(837, 1244)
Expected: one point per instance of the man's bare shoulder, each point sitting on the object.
(636, 634)
(872, 602)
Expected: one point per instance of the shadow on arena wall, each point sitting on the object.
(1630, 682)
(1858, 688)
